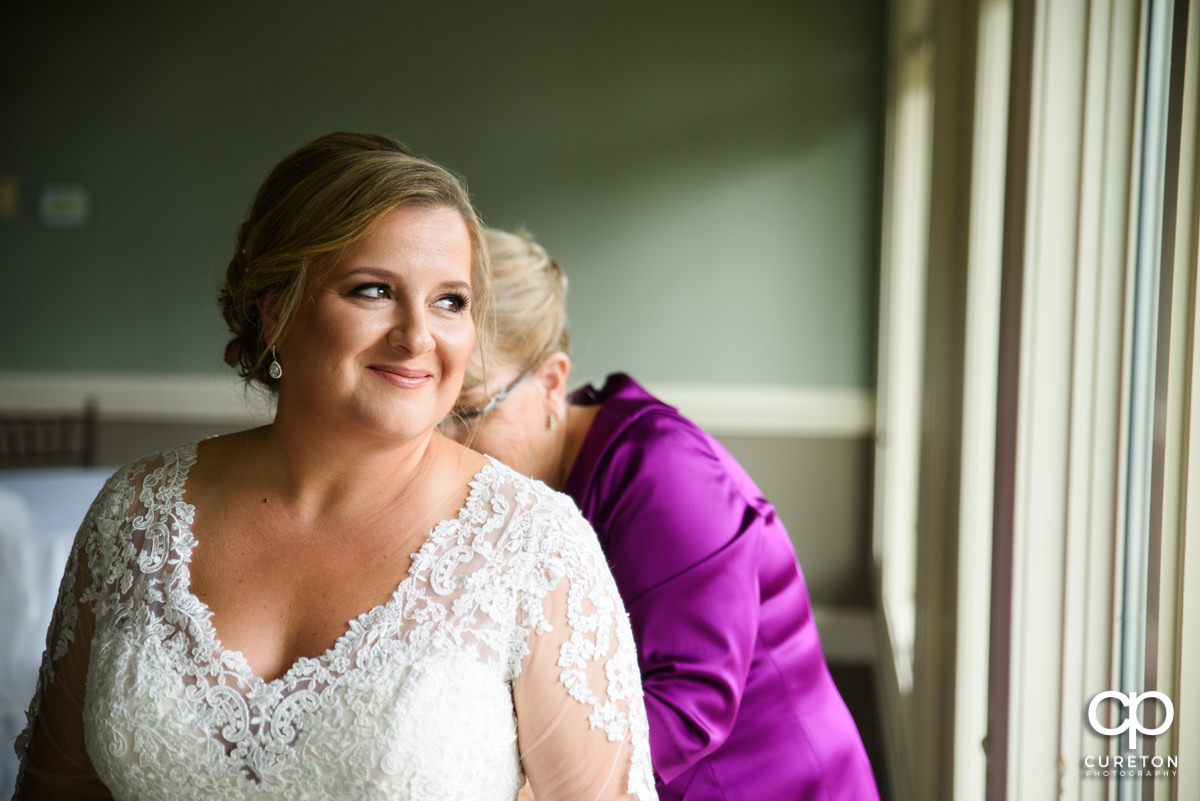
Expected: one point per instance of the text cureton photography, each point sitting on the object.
(1132, 720)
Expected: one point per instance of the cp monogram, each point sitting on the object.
(1131, 702)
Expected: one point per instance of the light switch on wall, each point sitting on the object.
(65, 205)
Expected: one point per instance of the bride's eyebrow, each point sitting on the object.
(369, 272)
(455, 286)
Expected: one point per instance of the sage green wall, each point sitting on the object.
(707, 172)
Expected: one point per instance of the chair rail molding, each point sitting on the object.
(745, 410)
(180, 398)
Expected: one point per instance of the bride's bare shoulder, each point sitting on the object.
(219, 458)
(460, 462)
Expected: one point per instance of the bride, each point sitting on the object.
(343, 603)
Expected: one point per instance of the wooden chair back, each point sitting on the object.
(48, 439)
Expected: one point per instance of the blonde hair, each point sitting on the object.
(529, 306)
(318, 201)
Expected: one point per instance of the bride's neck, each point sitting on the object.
(315, 471)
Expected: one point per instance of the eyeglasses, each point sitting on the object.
(463, 413)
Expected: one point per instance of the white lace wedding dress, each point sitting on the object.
(508, 614)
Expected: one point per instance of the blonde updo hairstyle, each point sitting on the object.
(318, 201)
(529, 306)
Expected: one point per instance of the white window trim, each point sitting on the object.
(903, 269)
(981, 355)
(1178, 605)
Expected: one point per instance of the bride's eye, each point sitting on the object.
(372, 291)
(454, 302)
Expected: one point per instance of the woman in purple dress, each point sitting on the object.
(740, 701)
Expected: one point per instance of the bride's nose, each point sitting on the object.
(411, 332)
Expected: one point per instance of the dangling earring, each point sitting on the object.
(275, 370)
(551, 422)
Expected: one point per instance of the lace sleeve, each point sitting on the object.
(581, 721)
(54, 762)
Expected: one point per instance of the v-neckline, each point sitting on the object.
(215, 653)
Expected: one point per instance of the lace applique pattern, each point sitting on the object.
(170, 714)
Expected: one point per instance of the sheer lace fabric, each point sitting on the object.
(505, 651)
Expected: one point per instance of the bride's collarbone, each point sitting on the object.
(280, 552)
(276, 603)
(256, 554)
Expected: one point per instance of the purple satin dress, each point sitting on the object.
(740, 700)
